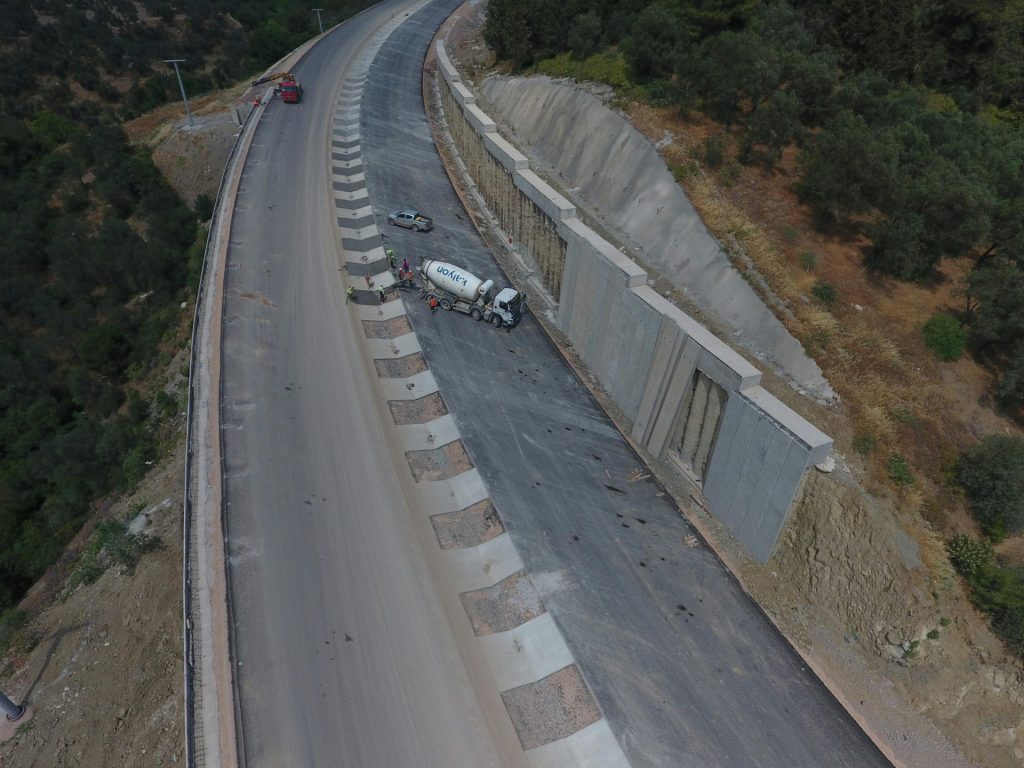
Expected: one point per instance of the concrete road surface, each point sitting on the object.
(343, 655)
(687, 669)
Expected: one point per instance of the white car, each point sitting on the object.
(411, 219)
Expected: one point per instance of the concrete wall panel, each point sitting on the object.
(502, 151)
(544, 196)
(643, 349)
(755, 472)
(726, 367)
(444, 63)
(479, 119)
(462, 94)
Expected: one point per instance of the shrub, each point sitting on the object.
(825, 292)
(808, 260)
(999, 592)
(111, 544)
(204, 207)
(968, 554)
(864, 443)
(585, 35)
(992, 476)
(712, 151)
(944, 336)
(899, 471)
(11, 620)
(933, 634)
(601, 67)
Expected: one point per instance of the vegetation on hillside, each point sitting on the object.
(907, 121)
(909, 118)
(98, 251)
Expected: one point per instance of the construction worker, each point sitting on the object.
(380, 291)
(405, 266)
(392, 259)
(350, 293)
(432, 301)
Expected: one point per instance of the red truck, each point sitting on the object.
(289, 88)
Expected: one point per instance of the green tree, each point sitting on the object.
(585, 35)
(846, 168)
(996, 289)
(655, 41)
(774, 124)
(992, 476)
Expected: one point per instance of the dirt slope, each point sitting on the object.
(105, 673)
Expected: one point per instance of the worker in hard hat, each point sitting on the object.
(350, 293)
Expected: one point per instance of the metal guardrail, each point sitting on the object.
(193, 756)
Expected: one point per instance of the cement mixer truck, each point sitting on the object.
(455, 288)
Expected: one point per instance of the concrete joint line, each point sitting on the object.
(385, 349)
(343, 180)
(368, 263)
(484, 565)
(411, 388)
(385, 279)
(454, 494)
(591, 747)
(362, 233)
(433, 434)
(388, 311)
(357, 194)
(526, 654)
(357, 213)
(341, 166)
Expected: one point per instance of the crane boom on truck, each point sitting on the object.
(456, 288)
(289, 88)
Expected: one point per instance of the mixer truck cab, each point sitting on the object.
(455, 288)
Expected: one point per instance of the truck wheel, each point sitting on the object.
(496, 321)
(415, 227)
(446, 305)
(475, 313)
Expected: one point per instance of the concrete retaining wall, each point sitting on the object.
(692, 402)
(617, 171)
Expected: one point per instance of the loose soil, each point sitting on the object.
(402, 367)
(419, 411)
(467, 527)
(439, 463)
(506, 605)
(551, 708)
(104, 669)
(387, 329)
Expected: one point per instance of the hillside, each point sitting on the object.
(101, 254)
(876, 183)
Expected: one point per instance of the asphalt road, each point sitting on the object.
(686, 668)
(343, 654)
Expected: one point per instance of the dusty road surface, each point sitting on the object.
(685, 666)
(343, 655)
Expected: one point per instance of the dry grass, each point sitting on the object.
(868, 344)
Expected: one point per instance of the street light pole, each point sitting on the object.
(181, 85)
(10, 709)
(320, 21)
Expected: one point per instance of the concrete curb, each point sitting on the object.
(534, 650)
